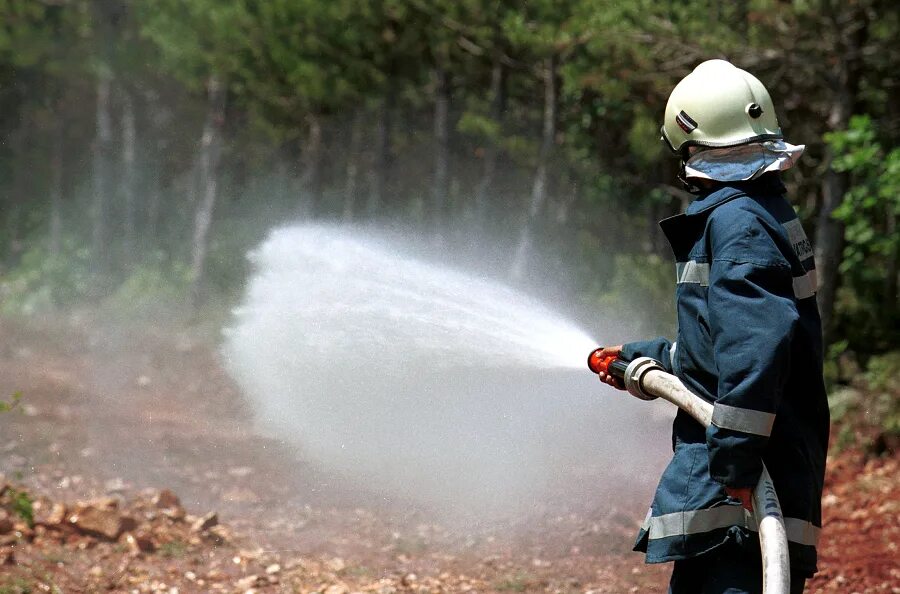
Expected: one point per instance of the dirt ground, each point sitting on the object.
(109, 418)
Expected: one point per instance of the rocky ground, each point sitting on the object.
(130, 465)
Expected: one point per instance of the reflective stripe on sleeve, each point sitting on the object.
(714, 518)
(800, 243)
(805, 286)
(696, 521)
(692, 272)
(745, 420)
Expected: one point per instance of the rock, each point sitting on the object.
(217, 535)
(205, 523)
(57, 515)
(7, 556)
(175, 513)
(409, 580)
(166, 499)
(23, 530)
(6, 524)
(240, 471)
(250, 581)
(170, 505)
(273, 569)
(116, 485)
(140, 543)
(336, 564)
(101, 519)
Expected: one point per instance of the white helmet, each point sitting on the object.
(719, 105)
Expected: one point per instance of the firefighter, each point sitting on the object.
(749, 341)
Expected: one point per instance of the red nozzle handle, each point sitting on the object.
(609, 364)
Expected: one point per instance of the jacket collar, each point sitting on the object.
(681, 229)
(767, 184)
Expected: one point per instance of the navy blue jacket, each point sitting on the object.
(749, 341)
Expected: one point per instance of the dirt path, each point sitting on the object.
(125, 410)
(116, 412)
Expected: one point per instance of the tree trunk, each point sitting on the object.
(889, 307)
(539, 186)
(210, 152)
(440, 181)
(382, 170)
(352, 173)
(829, 243)
(102, 151)
(159, 120)
(18, 194)
(564, 205)
(310, 180)
(57, 152)
(851, 26)
(741, 17)
(129, 179)
(491, 151)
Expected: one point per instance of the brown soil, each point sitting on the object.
(124, 413)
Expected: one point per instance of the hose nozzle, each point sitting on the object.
(609, 364)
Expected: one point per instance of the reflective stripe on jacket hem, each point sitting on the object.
(745, 420)
(713, 518)
(802, 532)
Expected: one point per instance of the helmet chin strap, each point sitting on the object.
(686, 183)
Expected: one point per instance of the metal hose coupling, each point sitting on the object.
(634, 376)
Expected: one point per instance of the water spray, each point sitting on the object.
(439, 413)
(646, 379)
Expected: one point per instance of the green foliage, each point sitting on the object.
(16, 585)
(290, 63)
(638, 289)
(196, 39)
(479, 126)
(519, 582)
(883, 376)
(644, 128)
(43, 281)
(867, 413)
(174, 549)
(832, 371)
(870, 212)
(151, 286)
(21, 505)
(6, 406)
(842, 401)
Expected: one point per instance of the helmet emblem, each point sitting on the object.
(685, 122)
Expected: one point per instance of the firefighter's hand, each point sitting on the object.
(744, 494)
(611, 351)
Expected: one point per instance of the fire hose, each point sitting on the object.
(646, 379)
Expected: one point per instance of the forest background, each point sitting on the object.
(148, 144)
